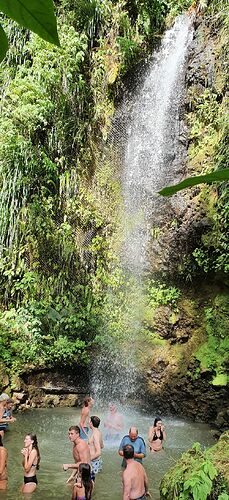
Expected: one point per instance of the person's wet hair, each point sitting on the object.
(74, 428)
(85, 472)
(87, 400)
(95, 421)
(128, 451)
(156, 421)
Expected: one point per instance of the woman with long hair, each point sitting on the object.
(156, 435)
(3, 466)
(31, 461)
(82, 490)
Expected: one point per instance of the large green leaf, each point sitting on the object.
(219, 175)
(36, 15)
(3, 43)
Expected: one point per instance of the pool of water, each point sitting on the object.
(51, 426)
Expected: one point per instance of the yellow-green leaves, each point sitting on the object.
(36, 15)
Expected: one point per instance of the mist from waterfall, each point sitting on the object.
(146, 132)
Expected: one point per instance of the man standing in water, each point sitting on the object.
(85, 416)
(95, 443)
(134, 478)
(81, 451)
(113, 423)
(137, 442)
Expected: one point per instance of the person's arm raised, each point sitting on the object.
(28, 458)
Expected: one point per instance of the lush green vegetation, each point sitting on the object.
(199, 474)
(208, 150)
(213, 353)
(59, 195)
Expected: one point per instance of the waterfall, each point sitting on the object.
(147, 133)
(152, 142)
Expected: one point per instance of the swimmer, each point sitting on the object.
(6, 418)
(3, 466)
(81, 451)
(134, 478)
(83, 488)
(137, 442)
(85, 416)
(156, 435)
(95, 444)
(31, 461)
(114, 423)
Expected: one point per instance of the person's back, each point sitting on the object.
(134, 478)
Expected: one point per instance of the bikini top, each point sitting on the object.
(155, 437)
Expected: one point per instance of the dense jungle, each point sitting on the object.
(65, 296)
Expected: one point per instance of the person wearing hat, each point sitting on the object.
(6, 405)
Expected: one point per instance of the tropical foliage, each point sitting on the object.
(36, 15)
(198, 474)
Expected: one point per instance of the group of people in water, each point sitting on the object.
(87, 441)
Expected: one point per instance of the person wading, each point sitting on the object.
(134, 478)
(85, 417)
(95, 443)
(81, 451)
(31, 461)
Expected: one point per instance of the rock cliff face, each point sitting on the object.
(176, 380)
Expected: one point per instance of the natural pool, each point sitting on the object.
(51, 426)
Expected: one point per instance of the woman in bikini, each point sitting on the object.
(156, 435)
(3, 466)
(82, 490)
(31, 461)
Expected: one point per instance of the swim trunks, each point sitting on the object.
(96, 466)
(32, 479)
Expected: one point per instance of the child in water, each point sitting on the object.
(83, 488)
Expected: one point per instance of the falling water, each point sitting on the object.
(147, 132)
(152, 147)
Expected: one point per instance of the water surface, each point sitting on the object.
(51, 426)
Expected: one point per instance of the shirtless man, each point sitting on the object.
(95, 443)
(134, 478)
(113, 423)
(81, 451)
(85, 417)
